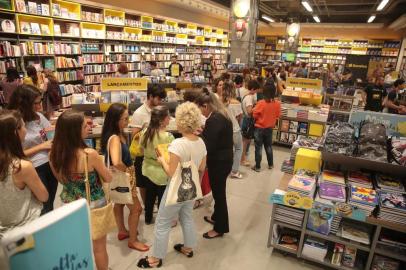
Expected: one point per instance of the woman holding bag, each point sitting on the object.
(72, 162)
(188, 148)
(119, 155)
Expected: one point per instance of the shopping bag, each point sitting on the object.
(120, 187)
(135, 146)
(184, 185)
(206, 188)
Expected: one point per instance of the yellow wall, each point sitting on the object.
(339, 33)
(153, 8)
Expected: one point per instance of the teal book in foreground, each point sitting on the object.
(58, 240)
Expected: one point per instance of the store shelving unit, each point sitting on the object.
(40, 30)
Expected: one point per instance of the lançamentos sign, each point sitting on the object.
(124, 84)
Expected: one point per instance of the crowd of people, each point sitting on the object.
(210, 133)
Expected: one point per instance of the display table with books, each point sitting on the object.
(333, 224)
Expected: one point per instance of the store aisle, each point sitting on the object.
(245, 246)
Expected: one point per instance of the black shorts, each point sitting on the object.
(141, 180)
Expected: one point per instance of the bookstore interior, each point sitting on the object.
(339, 70)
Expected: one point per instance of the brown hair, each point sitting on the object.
(10, 143)
(23, 99)
(228, 92)
(49, 74)
(158, 115)
(122, 68)
(67, 141)
(212, 102)
(33, 74)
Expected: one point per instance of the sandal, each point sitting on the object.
(132, 246)
(236, 175)
(208, 220)
(198, 203)
(178, 248)
(207, 236)
(144, 263)
(123, 235)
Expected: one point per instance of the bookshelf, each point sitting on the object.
(114, 17)
(66, 10)
(34, 25)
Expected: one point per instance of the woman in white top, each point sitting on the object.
(180, 150)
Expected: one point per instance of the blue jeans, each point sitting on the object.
(237, 140)
(163, 225)
(263, 136)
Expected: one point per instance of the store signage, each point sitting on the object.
(124, 84)
(395, 124)
(358, 65)
(304, 83)
(293, 199)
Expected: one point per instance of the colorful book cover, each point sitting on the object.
(285, 125)
(319, 222)
(334, 177)
(359, 177)
(45, 9)
(302, 183)
(384, 263)
(393, 200)
(389, 182)
(364, 195)
(330, 191)
(20, 6)
(32, 7)
(303, 127)
(293, 126)
(28, 247)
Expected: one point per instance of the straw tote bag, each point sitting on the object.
(120, 187)
(185, 184)
(102, 219)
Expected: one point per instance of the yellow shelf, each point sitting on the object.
(93, 30)
(119, 16)
(159, 33)
(199, 40)
(24, 24)
(207, 31)
(147, 19)
(67, 10)
(171, 23)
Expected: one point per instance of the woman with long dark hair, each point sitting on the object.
(32, 77)
(10, 83)
(20, 187)
(68, 156)
(52, 95)
(27, 100)
(153, 136)
(113, 137)
(218, 137)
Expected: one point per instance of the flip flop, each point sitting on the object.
(206, 218)
(178, 248)
(144, 263)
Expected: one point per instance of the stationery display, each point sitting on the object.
(333, 192)
(315, 248)
(303, 184)
(355, 232)
(392, 207)
(360, 179)
(333, 177)
(384, 263)
(364, 198)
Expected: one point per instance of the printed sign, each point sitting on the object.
(293, 199)
(304, 83)
(358, 65)
(395, 124)
(124, 84)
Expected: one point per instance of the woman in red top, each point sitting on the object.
(266, 112)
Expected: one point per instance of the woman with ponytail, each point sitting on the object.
(218, 137)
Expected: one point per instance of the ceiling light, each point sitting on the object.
(371, 19)
(307, 6)
(267, 18)
(317, 19)
(382, 5)
(241, 8)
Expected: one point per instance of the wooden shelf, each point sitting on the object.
(337, 239)
(390, 254)
(285, 249)
(328, 264)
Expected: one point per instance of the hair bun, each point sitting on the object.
(206, 91)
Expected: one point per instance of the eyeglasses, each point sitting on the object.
(38, 102)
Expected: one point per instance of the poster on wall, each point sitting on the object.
(5, 4)
(395, 124)
(358, 65)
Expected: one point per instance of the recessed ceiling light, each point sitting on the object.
(307, 6)
(316, 18)
(382, 5)
(267, 18)
(371, 19)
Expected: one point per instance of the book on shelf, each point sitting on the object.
(57, 30)
(284, 137)
(20, 6)
(8, 26)
(49, 64)
(360, 179)
(331, 191)
(45, 9)
(64, 12)
(338, 253)
(35, 29)
(56, 10)
(355, 232)
(45, 30)
(349, 256)
(363, 195)
(315, 248)
(319, 222)
(39, 9)
(388, 183)
(293, 126)
(292, 138)
(384, 263)
(334, 177)
(32, 7)
(303, 127)
(25, 28)
(289, 239)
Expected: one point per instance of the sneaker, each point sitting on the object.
(236, 175)
(255, 168)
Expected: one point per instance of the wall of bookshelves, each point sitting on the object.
(83, 43)
(334, 51)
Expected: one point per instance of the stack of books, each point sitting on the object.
(332, 186)
(384, 263)
(315, 249)
(303, 184)
(355, 232)
(392, 207)
(389, 184)
(289, 215)
(333, 177)
(360, 179)
(287, 166)
(289, 238)
(392, 241)
(365, 199)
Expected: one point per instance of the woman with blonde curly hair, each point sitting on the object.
(188, 147)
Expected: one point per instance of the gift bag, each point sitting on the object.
(206, 188)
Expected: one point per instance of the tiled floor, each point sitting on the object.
(243, 248)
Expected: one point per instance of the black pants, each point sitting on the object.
(141, 180)
(152, 192)
(48, 179)
(218, 173)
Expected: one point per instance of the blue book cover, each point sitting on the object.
(58, 240)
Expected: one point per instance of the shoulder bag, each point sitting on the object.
(248, 125)
(102, 219)
(185, 184)
(135, 146)
(120, 187)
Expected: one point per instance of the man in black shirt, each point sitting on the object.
(175, 69)
(375, 93)
(394, 97)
